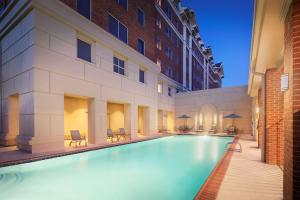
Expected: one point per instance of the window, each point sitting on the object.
(159, 88)
(158, 43)
(123, 3)
(158, 22)
(169, 91)
(119, 66)
(158, 62)
(158, 2)
(176, 24)
(168, 31)
(176, 41)
(142, 76)
(84, 50)
(176, 59)
(141, 17)
(84, 8)
(141, 46)
(117, 29)
(169, 71)
(3, 5)
(168, 52)
(168, 12)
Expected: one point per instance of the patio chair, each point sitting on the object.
(213, 130)
(200, 129)
(110, 135)
(122, 133)
(76, 137)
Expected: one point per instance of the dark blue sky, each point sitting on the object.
(226, 26)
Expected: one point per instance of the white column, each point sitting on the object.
(97, 121)
(184, 56)
(190, 61)
(131, 119)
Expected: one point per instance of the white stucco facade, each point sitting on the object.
(208, 108)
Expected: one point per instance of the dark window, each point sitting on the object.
(84, 8)
(123, 3)
(168, 12)
(177, 41)
(122, 33)
(177, 59)
(169, 91)
(142, 76)
(83, 50)
(168, 31)
(3, 5)
(141, 17)
(141, 46)
(113, 26)
(119, 66)
(117, 29)
(168, 52)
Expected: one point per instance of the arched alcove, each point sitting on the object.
(208, 117)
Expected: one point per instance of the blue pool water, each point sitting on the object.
(167, 168)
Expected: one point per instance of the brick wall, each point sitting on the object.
(292, 103)
(102, 9)
(274, 117)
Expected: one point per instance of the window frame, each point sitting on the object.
(90, 16)
(144, 18)
(119, 67)
(118, 31)
(122, 4)
(144, 46)
(91, 49)
(169, 91)
(144, 75)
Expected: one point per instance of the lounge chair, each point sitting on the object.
(122, 133)
(110, 135)
(200, 129)
(213, 130)
(76, 137)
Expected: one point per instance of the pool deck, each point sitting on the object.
(12, 156)
(242, 175)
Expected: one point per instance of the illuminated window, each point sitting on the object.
(159, 88)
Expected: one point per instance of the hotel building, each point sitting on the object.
(93, 65)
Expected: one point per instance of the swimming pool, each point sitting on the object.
(167, 168)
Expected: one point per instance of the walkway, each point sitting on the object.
(248, 178)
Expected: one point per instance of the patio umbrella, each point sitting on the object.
(185, 117)
(232, 116)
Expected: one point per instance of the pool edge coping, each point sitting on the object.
(209, 190)
(49, 155)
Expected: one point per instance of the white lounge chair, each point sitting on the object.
(122, 133)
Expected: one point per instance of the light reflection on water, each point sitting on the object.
(167, 168)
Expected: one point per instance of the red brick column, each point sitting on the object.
(292, 103)
(274, 117)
